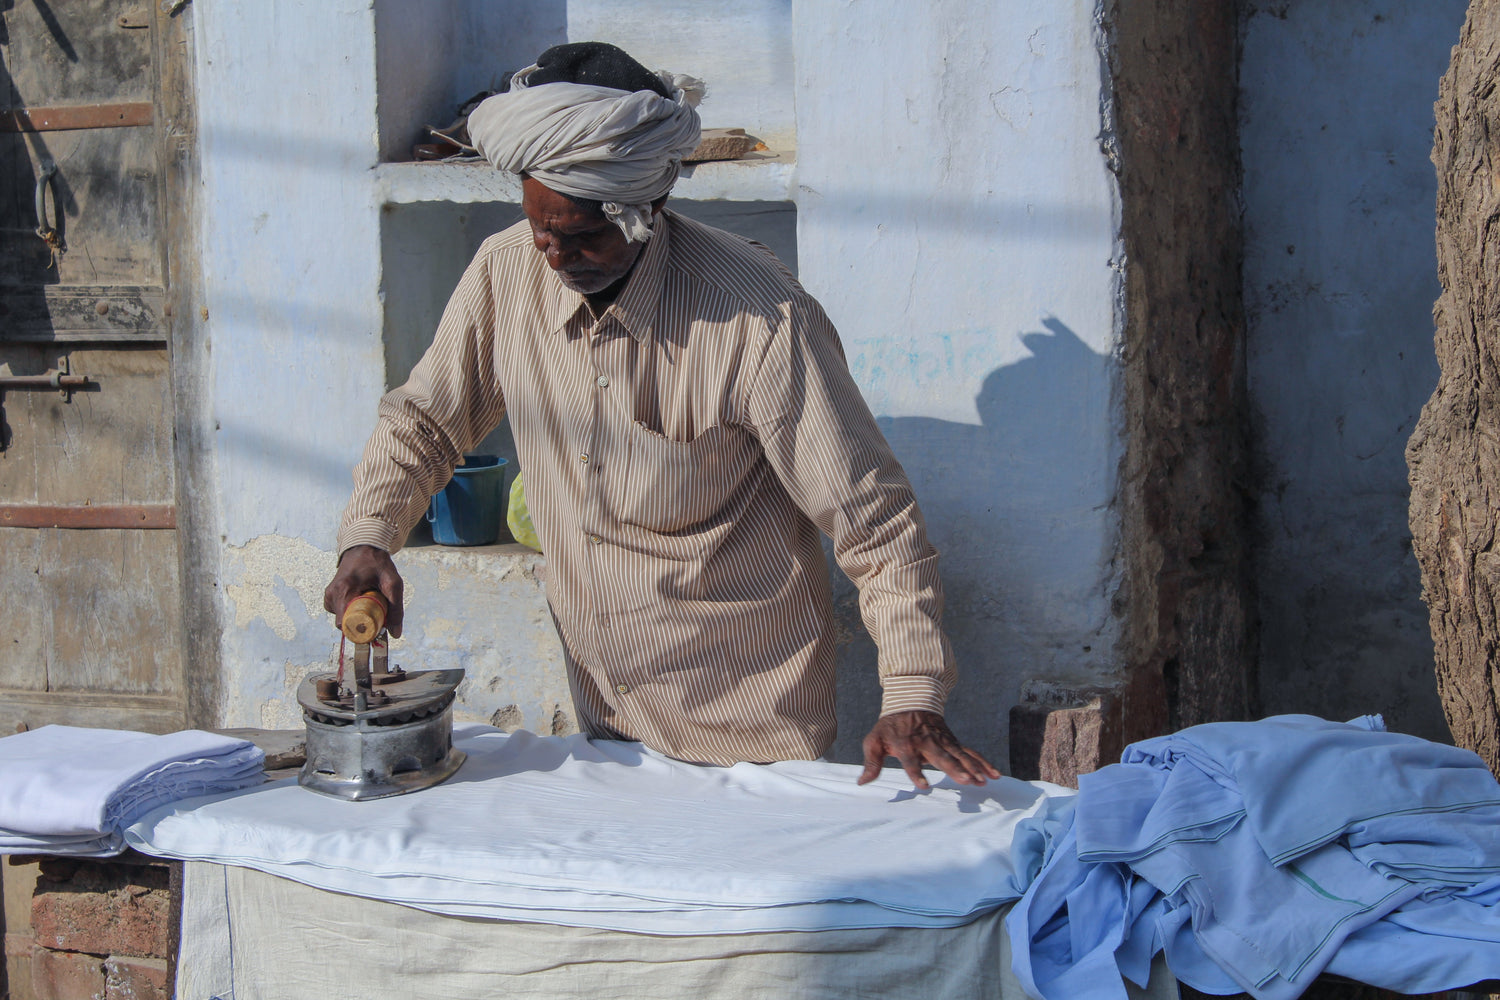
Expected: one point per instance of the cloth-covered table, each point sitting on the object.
(253, 936)
(613, 836)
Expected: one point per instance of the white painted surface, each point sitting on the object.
(957, 221)
(955, 217)
(433, 55)
(292, 283)
(291, 289)
(741, 48)
(1340, 277)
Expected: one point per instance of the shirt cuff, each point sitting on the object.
(917, 693)
(369, 531)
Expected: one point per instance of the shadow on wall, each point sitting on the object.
(1017, 506)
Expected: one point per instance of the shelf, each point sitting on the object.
(757, 177)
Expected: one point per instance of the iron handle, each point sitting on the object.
(52, 235)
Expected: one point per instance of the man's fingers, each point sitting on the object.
(874, 750)
(919, 737)
(912, 764)
(952, 763)
(393, 589)
(980, 766)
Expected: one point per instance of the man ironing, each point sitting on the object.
(688, 427)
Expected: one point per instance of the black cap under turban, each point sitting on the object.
(598, 64)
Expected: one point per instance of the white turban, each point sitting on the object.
(622, 148)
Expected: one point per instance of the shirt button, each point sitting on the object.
(595, 539)
(584, 459)
(602, 381)
(623, 688)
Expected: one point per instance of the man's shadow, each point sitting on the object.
(1017, 507)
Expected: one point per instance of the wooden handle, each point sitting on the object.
(364, 616)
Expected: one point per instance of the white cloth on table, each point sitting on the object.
(69, 790)
(1260, 855)
(247, 935)
(611, 835)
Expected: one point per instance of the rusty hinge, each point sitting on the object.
(77, 116)
(150, 516)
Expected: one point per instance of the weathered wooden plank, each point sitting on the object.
(116, 605)
(83, 313)
(723, 144)
(110, 444)
(191, 368)
(26, 642)
(283, 748)
(18, 464)
(76, 116)
(101, 711)
(149, 517)
(103, 197)
(75, 53)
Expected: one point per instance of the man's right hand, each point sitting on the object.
(363, 568)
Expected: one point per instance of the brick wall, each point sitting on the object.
(102, 930)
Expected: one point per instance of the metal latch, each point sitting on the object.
(58, 378)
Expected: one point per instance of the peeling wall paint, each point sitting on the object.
(480, 610)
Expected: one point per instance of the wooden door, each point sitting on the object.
(93, 149)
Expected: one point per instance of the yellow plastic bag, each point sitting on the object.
(519, 518)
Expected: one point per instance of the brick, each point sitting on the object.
(135, 979)
(1078, 740)
(103, 908)
(1057, 734)
(66, 975)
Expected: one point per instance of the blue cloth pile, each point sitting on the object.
(66, 790)
(1259, 855)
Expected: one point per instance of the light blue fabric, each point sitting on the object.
(1257, 855)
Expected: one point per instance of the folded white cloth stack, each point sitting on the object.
(66, 790)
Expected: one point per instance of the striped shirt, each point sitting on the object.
(682, 452)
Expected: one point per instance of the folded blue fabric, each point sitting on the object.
(1305, 780)
(1266, 853)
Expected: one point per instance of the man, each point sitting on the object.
(687, 426)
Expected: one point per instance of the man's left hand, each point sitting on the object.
(917, 738)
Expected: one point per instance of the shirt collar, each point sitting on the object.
(636, 306)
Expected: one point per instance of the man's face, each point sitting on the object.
(588, 252)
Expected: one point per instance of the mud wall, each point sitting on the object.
(1336, 119)
(1188, 643)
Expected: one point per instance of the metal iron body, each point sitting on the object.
(387, 733)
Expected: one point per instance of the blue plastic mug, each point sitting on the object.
(471, 508)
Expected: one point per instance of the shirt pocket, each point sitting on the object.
(674, 486)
